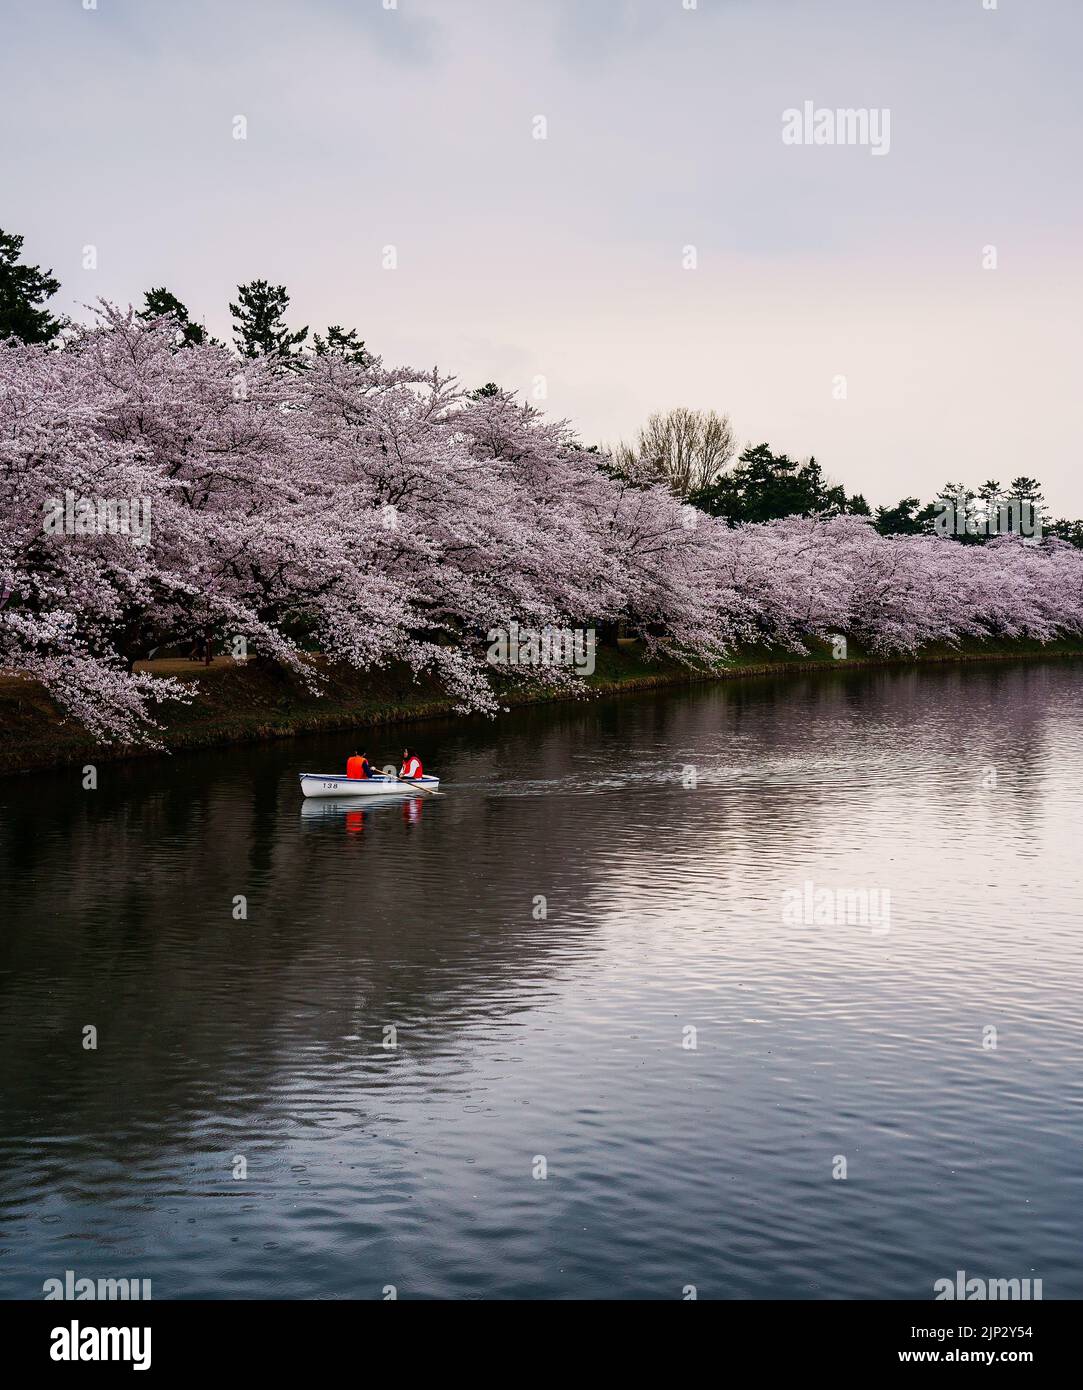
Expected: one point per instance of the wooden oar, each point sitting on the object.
(389, 771)
(409, 782)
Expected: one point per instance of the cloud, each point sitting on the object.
(562, 257)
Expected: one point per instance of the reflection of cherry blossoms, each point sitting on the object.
(381, 516)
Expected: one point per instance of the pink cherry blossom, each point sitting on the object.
(380, 515)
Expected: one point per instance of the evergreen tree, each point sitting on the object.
(348, 344)
(763, 486)
(990, 492)
(1030, 509)
(23, 290)
(1070, 532)
(159, 303)
(958, 513)
(907, 518)
(259, 327)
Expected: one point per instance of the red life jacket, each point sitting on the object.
(411, 768)
(357, 766)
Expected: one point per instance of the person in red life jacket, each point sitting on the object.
(358, 766)
(411, 765)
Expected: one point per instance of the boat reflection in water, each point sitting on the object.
(323, 813)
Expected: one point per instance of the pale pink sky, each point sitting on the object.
(561, 258)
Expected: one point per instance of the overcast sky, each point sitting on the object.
(564, 258)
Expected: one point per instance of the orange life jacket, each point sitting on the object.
(355, 766)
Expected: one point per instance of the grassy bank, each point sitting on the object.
(243, 704)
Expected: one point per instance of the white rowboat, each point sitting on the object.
(335, 784)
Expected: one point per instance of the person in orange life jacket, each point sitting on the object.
(411, 765)
(358, 766)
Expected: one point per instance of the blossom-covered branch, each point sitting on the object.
(334, 505)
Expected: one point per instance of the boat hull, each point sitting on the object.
(331, 784)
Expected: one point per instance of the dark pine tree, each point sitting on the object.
(763, 485)
(23, 291)
(159, 303)
(906, 518)
(259, 327)
(344, 342)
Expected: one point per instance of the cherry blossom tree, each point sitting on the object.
(347, 512)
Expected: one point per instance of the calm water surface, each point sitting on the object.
(562, 1037)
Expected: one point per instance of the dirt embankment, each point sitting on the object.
(247, 703)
